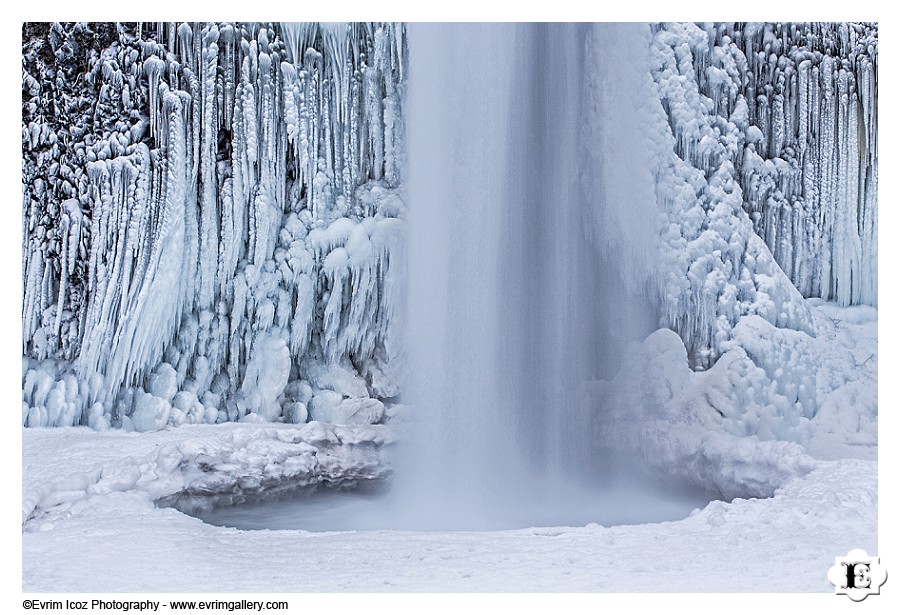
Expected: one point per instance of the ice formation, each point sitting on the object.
(760, 206)
(753, 113)
(233, 464)
(562, 215)
(215, 207)
(214, 229)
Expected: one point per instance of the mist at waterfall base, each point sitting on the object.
(529, 250)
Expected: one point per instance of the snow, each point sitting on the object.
(97, 502)
(97, 529)
(225, 242)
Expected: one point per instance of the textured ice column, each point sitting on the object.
(810, 167)
(197, 243)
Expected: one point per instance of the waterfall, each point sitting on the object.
(531, 237)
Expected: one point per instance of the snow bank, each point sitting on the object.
(108, 539)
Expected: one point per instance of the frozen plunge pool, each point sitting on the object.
(374, 507)
(112, 538)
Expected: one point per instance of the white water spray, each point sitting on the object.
(531, 229)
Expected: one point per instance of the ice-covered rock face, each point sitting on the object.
(805, 96)
(224, 201)
(218, 199)
(768, 180)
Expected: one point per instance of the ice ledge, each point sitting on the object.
(191, 466)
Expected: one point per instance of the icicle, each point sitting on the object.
(248, 100)
(185, 44)
(291, 117)
(188, 256)
(70, 229)
(209, 210)
(153, 68)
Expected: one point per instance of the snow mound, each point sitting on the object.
(776, 399)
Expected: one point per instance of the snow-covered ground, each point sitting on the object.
(101, 532)
(91, 520)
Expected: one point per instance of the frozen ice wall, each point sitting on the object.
(752, 357)
(211, 222)
(809, 168)
(753, 111)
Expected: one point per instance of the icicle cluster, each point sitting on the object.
(212, 228)
(804, 96)
(748, 214)
(212, 221)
